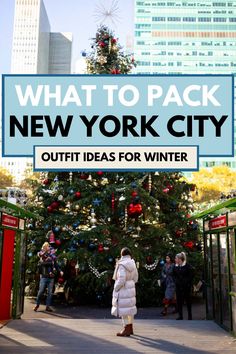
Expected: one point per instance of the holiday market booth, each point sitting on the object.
(219, 230)
(12, 259)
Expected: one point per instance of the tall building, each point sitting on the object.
(30, 47)
(186, 36)
(60, 46)
(35, 50)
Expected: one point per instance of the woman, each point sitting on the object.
(124, 293)
(183, 275)
(47, 265)
(169, 284)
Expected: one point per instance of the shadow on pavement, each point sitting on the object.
(37, 336)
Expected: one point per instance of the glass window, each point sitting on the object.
(189, 19)
(219, 19)
(232, 253)
(208, 269)
(218, 4)
(224, 274)
(174, 19)
(204, 19)
(216, 277)
(159, 19)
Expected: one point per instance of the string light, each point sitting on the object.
(151, 266)
(95, 271)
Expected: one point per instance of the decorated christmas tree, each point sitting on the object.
(107, 56)
(89, 217)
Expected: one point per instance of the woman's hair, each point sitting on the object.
(125, 252)
(182, 256)
(170, 256)
(46, 244)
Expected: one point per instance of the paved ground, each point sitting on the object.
(90, 336)
(88, 312)
(90, 330)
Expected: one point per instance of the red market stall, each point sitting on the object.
(12, 259)
(219, 232)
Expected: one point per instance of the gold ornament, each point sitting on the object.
(109, 45)
(102, 60)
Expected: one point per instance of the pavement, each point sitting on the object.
(92, 330)
(90, 312)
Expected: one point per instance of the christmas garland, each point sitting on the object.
(151, 266)
(95, 271)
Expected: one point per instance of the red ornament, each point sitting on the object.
(100, 248)
(101, 44)
(132, 59)
(170, 187)
(61, 280)
(77, 195)
(149, 260)
(138, 209)
(189, 244)
(50, 209)
(52, 238)
(145, 186)
(54, 205)
(188, 216)
(115, 71)
(99, 173)
(113, 40)
(131, 209)
(134, 194)
(57, 242)
(113, 201)
(178, 233)
(166, 190)
(46, 182)
(135, 210)
(84, 176)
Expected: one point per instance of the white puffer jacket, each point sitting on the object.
(124, 293)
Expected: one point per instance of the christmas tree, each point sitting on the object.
(89, 217)
(107, 56)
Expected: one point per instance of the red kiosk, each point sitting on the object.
(12, 259)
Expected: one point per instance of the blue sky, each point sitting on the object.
(76, 16)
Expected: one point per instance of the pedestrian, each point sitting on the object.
(183, 275)
(124, 293)
(46, 254)
(47, 268)
(168, 283)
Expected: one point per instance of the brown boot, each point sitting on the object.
(131, 328)
(125, 332)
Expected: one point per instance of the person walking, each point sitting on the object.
(183, 276)
(168, 283)
(124, 293)
(47, 268)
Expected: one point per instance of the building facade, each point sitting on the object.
(30, 47)
(35, 50)
(186, 37)
(60, 47)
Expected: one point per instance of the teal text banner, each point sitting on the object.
(116, 110)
